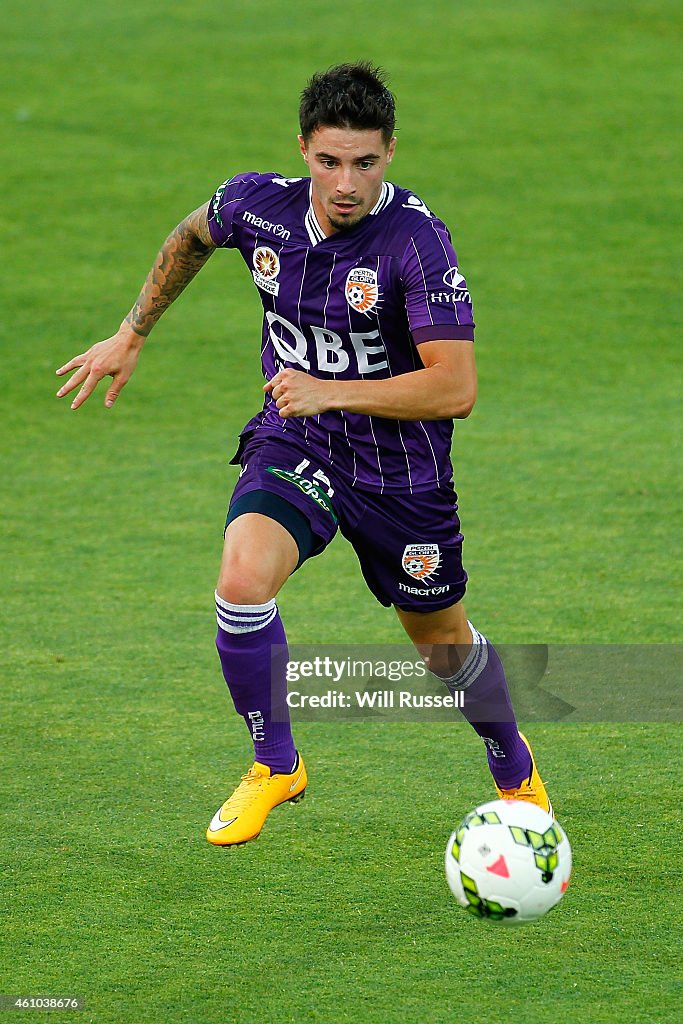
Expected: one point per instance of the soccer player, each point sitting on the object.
(367, 354)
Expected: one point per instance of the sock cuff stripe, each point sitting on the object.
(233, 626)
(244, 609)
(470, 671)
(237, 617)
(474, 663)
(477, 637)
(232, 622)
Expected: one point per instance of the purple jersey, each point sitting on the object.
(354, 305)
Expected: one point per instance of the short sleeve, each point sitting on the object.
(438, 302)
(225, 204)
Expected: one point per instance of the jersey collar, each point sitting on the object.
(316, 233)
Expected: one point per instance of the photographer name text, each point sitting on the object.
(375, 700)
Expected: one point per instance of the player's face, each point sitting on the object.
(347, 170)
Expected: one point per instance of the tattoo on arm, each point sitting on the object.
(182, 255)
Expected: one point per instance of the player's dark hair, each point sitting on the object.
(348, 96)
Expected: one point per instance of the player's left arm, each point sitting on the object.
(446, 388)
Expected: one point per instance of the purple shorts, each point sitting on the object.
(409, 545)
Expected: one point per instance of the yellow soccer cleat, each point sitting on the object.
(243, 815)
(532, 789)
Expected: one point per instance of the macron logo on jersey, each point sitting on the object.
(266, 225)
(413, 203)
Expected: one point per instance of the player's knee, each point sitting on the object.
(238, 586)
(258, 557)
(248, 576)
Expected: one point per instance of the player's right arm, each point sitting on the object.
(182, 255)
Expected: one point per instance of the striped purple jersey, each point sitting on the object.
(354, 305)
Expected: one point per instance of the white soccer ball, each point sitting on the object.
(508, 862)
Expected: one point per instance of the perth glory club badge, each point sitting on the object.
(421, 561)
(362, 291)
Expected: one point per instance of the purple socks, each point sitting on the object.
(488, 709)
(257, 683)
(258, 687)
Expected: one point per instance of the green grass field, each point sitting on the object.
(544, 135)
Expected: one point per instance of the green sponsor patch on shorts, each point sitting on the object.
(311, 490)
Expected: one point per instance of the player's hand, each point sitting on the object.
(299, 394)
(115, 357)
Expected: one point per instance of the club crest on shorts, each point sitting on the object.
(266, 269)
(421, 561)
(362, 290)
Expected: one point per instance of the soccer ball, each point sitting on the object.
(508, 862)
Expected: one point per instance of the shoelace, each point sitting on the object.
(525, 791)
(250, 782)
(521, 793)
